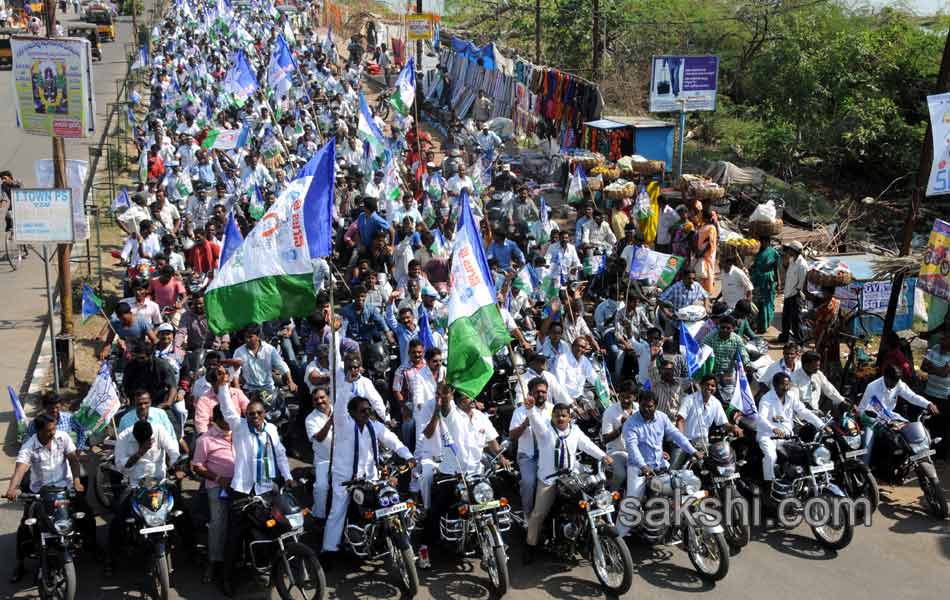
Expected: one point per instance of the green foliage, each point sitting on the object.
(127, 7)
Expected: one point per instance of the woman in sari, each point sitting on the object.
(764, 276)
(707, 246)
(827, 341)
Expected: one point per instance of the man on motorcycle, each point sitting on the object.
(319, 426)
(50, 456)
(260, 465)
(537, 367)
(597, 236)
(554, 346)
(258, 361)
(683, 293)
(812, 385)
(558, 443)
(520, 431)
(364, 324)
(725, 343)
(700, 411)
(790, 362)
(426, 386)
(611, 428)
(881, 396)
(574, 369)
(643, 437)
(777, 412)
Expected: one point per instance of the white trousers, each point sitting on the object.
(769, 456)
(321, 487)
(333, 531)
(636, 486)
(422, 479)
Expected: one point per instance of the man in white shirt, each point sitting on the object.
(319, 426)
(597, 235)
(777, 412)
(700, 411)
(562, 257)
(537, 367)
(520, 431)
(260, 462)
(611, 429)
(141, 305)
(573, 369)
(426, 393)
(460, 181)
(736, 284)
(668, 218)
(812, 384)
(258, 361)
(788, 364)
(487, 139)
(558, 443)
(50, 457)
(554, 345)
(881, 396)
(792, 293)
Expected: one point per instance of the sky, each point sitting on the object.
(921, 7)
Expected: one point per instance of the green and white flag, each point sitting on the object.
(225, 139)
(476, 329)
(101, 402)
(270, 275)
(405, 93)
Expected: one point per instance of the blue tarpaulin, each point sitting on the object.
(474, 53)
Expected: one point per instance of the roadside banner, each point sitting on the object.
(934, 277)
(939, 182)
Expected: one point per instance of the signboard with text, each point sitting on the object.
(683, 83)
(419, 27)
(42, 216)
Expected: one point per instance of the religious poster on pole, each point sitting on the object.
(52, 86)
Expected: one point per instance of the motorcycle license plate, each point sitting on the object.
(395, 508)
(158, 529)
(725, 478)
(856, 453)
(601, 511)
(822, 469)
(486, 506)
(923, 455)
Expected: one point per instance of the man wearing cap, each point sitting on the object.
(373, 187)
(487, 139)
(792, 292)
(505, 181)
(132, 217)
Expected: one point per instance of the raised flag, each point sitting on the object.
(141, 60)
(695, 354)
(281, 65)
(91, 303)
(240, 80)
(270, 276)
(257, 206)
(368, 131)
(575, 190)
(742, 399)
(232, 240)
(122, 200)
(405, 93)
(425, 331)
(476, 329)
(101, 402)
(225, 139)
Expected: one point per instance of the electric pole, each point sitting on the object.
(595, 40)
(920, 185)
(537, 32)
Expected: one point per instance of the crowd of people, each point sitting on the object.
(193, 392)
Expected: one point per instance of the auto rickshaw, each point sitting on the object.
(6, 52)
(102, 19)
(87, 31)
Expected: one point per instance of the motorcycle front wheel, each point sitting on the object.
(402, 562)
(860, 482)
(614, 570)
(737, 532)
(60, 584)
(933, 492)
(709, 553)
(160, 578)
(305, 579)
(837, 532)
(496, 563)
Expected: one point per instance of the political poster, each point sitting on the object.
(655, 267)
(419, 27)
(939, 182)
(52, 86)
(934, 277)
(683, 83)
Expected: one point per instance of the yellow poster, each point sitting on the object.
(419, 27)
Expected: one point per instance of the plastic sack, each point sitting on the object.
(764, 213)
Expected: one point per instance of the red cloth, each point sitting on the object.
(156, 167)
(203, 258)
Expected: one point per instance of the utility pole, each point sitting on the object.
(537, 32)
(418, 47)
(595, 41)
(920, 185)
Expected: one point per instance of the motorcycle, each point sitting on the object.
(52, 525)
(905, 454)
(706, 543)
(846, 444)
(719, 471)
(478, 519)
(379, 523)
(273, 548)
(579, 523)
(153, 506)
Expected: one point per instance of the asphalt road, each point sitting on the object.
(904, 552)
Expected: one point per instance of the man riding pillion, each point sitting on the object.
(520, 431)
(777, 412)
(643, 436)
(558, 442)
(700, 411)
(881, 396)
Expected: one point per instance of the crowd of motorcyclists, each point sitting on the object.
(594, 404)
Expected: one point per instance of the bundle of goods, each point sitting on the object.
(694, 186)
(830, 273)
(621, 189)
(596, 182)
(631, 166)
(743, 246)
(588, 160)
(607, 172)
(763, 221)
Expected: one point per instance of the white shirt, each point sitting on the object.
(777, 414)
(644, 357)
(464, 439)
(700, 416)
(526, 442)
(422, 386)
(152, 464)
(795, 277)
(248, 445)
(735, 285)
(611, 421)
(811, 389)
(777, 367)
(888, 397)
(565, 257)
(362, 387)
(148, 310)
(572, 373)
(456, 184)
(553, 352)
(258, 367)
(314, 423)
(556, 392)
(628, 253)
(598, 235)
(551, 457)
(314, 367)
(668, 218)
(48, 466)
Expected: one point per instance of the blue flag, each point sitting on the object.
(240, 80)
(690, 349)
(91, 304)
(742, 398)
(425, 331)
(281, 65)
(232, 240)
(122, 200)
(318, 203)
(17, 406)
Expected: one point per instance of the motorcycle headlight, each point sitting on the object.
(155, 518)
(63, 526)
(295, 520)
(483, 493)
(853, 441)
(603, 499)
(821, 456)
(726, 470)
(918, 448)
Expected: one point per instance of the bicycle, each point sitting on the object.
(22, 250)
